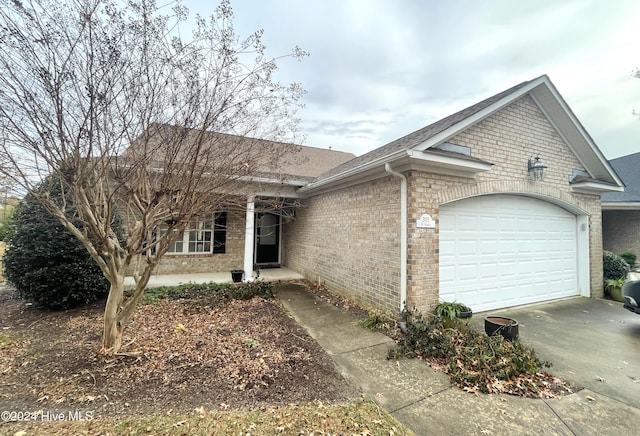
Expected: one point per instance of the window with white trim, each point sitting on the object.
(207, 235)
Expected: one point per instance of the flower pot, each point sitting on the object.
(465, 317)
(501, 325)
(616, 294)
(462, 318)
(236, 275)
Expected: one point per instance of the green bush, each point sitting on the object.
(629, 257)
(373, 321)
(425, 337)
(210, 294)
(614, 266)
(47, 265)
(473, 359)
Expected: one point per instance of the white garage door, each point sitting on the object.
(504, 250)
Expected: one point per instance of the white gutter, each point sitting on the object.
(360, 168)
(626, 205)
(403, 234)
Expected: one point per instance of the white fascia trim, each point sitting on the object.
(477, 117)
(272, 181)
(594, 188)
(575, 123)
(404, 160)
(255, 179)
(436, 163)
(374, 164)
(621, 206)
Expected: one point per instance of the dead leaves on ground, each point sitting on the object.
(235, 340)
(173, 352)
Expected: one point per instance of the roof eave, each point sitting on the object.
(590, 187)
(621, 205)
(405, 160)
(447, 164)
(365, 171)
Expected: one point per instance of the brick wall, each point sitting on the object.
(349, 237)
(621, 231)
(507, 139)
(232, 258)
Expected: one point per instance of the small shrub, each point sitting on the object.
(209, 294)
(614, 266)
(424, 338)
(483, 362)
(153, 295)
(450, 311)
(473, 360)
(629, 257)
(251, 343)
(374, 321)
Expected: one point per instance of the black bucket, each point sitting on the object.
(236, 275)
(501, 325)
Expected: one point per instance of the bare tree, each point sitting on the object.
(112, 101)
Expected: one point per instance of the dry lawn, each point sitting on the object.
(243, 368)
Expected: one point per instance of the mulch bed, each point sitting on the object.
(176, 357)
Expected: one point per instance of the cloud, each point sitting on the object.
(379, 70)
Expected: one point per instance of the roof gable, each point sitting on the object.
(544, 95)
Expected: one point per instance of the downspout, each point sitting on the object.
(403, 234)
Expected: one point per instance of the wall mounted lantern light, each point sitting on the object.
(536, 168)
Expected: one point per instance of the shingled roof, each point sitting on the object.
(421, 135)
(297, 163)
(628, 168)
(541, 91)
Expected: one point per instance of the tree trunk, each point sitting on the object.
(118, 311)
(113, 327)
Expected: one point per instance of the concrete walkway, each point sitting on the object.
(424, 401)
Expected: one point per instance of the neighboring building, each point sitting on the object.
(454, 211)
(621, 210)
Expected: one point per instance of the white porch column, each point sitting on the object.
(248, 239)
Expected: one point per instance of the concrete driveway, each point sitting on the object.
(592, 343)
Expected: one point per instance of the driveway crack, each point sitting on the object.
(419, 400)
(559, 417)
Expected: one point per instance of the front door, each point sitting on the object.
(267, 238)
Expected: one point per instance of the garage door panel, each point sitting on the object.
(503, 250)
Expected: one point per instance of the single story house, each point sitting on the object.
(496, 205)
(621, 210)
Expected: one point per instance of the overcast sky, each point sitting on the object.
(380, 69)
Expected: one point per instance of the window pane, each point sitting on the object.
(198, 238)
